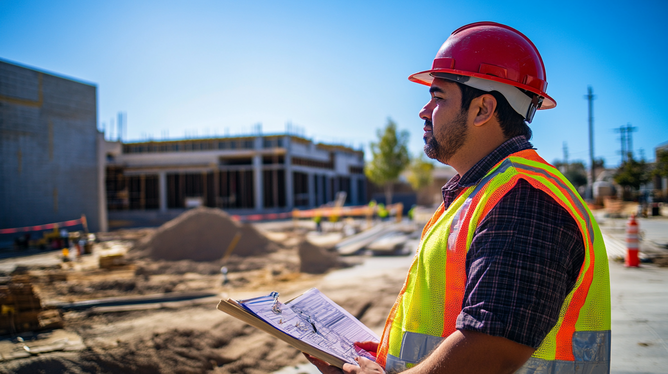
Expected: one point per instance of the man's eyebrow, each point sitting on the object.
(434, 89)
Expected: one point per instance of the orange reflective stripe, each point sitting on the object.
(530, 154)
(455, 267)
(564, 350)
(384, 346)
(455, 284)
(556, 198)
(433, 220)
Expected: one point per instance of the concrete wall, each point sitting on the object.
(48, 147)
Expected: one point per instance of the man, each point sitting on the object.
(511, 273)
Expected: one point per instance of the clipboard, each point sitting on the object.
(233, 308)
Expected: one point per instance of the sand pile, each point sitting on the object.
(317, 260)
(203, 234)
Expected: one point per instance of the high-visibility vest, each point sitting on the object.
(427, 307)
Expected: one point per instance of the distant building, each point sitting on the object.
(51, 169)
(242, 175)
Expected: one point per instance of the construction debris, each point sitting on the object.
(317, 260)
(112, 260)
(21, 308)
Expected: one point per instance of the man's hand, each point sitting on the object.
(365, 366)
(369, 346)
(324, 367)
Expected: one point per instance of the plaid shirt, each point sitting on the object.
(524, 258)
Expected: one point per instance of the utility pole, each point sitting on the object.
(629, 138)
(566, 166)
(622, 131)
(590, 98)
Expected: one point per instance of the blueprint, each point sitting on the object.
(314, 319)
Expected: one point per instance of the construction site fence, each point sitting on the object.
(325, 212)
(47, 226)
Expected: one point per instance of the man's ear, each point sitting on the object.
(484, 107)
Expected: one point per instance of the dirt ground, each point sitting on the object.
(191, 337)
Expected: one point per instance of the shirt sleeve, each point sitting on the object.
(524, 259)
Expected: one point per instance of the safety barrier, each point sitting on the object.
(632, 243)
(345, 211)
(48, 226)
(261, 217)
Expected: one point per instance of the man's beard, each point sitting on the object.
(454, 138)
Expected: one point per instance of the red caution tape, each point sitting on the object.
(47, 226)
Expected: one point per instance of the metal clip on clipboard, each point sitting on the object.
(276, 308)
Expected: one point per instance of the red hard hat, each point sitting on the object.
(484, 54)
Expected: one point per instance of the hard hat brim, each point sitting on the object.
(426, 78)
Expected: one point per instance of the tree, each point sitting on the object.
(632, 174)
(661, 165)
(390, 158)
(420, 172)
(575, 172)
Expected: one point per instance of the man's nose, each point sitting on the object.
(425, 113)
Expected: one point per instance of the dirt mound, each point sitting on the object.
(317, 260)
(174, 351)
(202, 234)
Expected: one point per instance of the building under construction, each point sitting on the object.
(242, 175)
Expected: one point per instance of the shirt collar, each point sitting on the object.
(480, 169)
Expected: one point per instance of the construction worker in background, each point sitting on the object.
(511, 273)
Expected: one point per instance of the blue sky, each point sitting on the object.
(338, 70)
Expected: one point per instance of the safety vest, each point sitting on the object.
(427, 307)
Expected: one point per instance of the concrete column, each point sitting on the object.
(142, 192)
(363, 193)
(101, 180)
(311, 190)
(289, 190)
(216, 186)
(353, 190)
(257, 180)
(319, 187)
(162, 190)
(326, 189)
(337, 186)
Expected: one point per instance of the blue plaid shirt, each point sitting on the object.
(524, 259)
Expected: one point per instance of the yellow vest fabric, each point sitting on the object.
(427, 307)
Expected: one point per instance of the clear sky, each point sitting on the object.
(338, 70)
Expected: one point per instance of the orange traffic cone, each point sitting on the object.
(632, 243)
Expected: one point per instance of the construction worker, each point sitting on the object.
(511, 273)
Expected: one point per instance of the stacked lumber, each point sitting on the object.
(21, 309)
(111, 261)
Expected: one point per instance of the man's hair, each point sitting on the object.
(512, 123)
